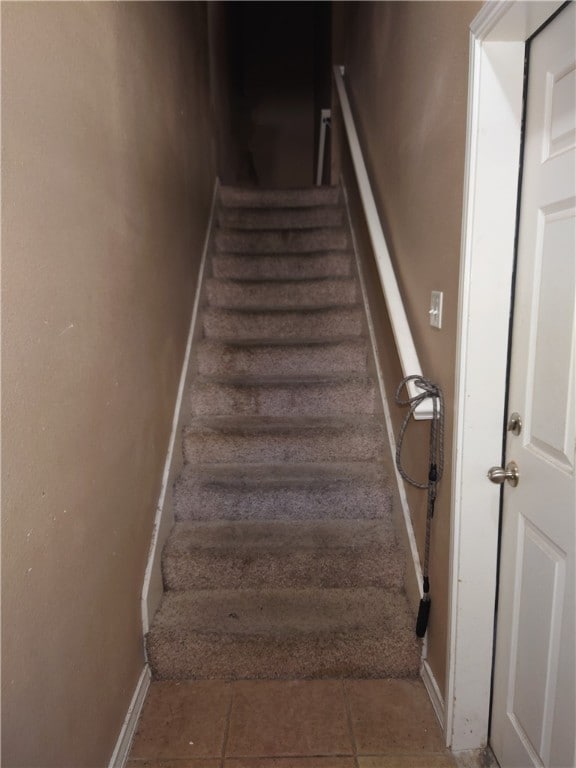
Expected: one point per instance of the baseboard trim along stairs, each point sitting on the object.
(283, 561)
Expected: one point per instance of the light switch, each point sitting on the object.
(435, 312)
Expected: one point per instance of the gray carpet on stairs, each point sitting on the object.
(283, 562)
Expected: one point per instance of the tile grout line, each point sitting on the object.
(227, 725)
(349, 719)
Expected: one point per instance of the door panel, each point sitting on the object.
(534, 707)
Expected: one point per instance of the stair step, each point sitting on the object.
(281, 293)
(280, 218)
(282, 266)
(282, 397)
(295, 554)
(259, 357)
(278, 198)
(283, 561)
(282, 324)
(265, 439)
(281, 241)
(276, 633)
(313, 491)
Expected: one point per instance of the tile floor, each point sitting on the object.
(289, 724)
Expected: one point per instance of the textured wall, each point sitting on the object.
(106, 184)
(406, 71)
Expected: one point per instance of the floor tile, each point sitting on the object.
(182, 720)
(198, 762)
(476, 758)
(288, 718)
(290, 762)
(427, 760)
(391, 716)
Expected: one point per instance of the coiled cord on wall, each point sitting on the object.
(435, 471)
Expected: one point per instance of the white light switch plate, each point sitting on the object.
(435, 312)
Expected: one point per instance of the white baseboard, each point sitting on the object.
(153, 586)
(425, 670)
(122, 749)
(415, 587)
(434, 693)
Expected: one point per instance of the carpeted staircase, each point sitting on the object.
(283, 562)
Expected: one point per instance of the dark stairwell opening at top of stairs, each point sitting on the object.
(276, 80)
(283, 562)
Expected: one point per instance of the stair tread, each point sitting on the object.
(291, 322)
(304, 309)
(282, 396)
(274, 217)
(312, 240)
(222, 554)
(290, 491)
(264, 380)
(305, 474)
(268, 424)
(277, 294)
(286, 235)
(283, 611)
(285, 198)
(290, 634)
(275, 439)
(274, 341)
(279, 535)
(289, 355)
(308, 256)
(248, 281)
(288, 281)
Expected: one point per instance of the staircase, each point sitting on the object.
(283, 562)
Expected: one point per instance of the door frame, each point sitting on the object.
(495, 93)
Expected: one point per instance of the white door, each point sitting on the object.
(534, 712)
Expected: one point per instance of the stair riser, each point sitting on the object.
(314, 568)
(289, 360)
(309, 241)
(304, 399)
(317, 324)
(239, 267)
(285, 198)
(230, 447)
(235, 658)
(314, 293)
(216, 501)
(270, 218)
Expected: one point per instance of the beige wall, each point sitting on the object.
(406, 70)
(107, 174)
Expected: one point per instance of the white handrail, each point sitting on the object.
(400, 328)
(325, 116)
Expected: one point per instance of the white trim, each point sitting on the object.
(490, 196)
(488, 17)
(122, 748)
(426, 673)
(414, 556)
(392, 296)
(325, 118)
(431, 685)
(152, 588)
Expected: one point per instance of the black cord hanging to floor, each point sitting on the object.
(435, 471)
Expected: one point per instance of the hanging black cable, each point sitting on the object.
(435, 471)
